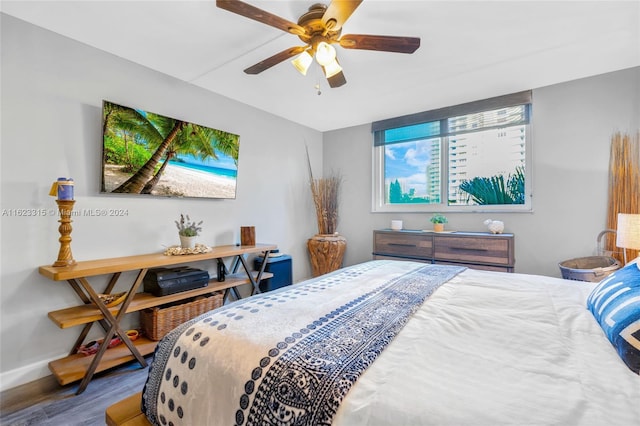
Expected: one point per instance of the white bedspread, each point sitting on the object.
(498, 349)
(486, 348)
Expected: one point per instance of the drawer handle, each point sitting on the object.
(469, 249)
(402, 245)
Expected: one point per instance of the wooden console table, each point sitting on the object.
(76, 366)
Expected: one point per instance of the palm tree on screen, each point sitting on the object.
(199, 142)
(136, 183)
(162, 139)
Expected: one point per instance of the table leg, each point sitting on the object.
(112, 283)
(80, 339)
(122, 312)
(85, 330)
(113, 329)
(235, 264)
(255, 282)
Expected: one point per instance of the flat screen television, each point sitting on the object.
(149, 154)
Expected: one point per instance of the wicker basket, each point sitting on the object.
(158, 321)
(591, 268)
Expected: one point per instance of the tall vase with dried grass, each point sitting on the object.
(327, 247)
(624, 184)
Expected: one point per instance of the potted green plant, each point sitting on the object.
(438, 221)
(188, 230)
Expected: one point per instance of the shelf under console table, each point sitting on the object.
(76, 366)
(476, 250)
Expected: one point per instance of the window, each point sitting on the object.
(470, 157)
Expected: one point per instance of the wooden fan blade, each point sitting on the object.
(338, 12)
(337, 80)
(382, 43)
(252, 12)
(274, 60)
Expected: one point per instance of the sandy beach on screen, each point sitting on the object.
(178, 181)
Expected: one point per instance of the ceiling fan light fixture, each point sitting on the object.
(302, 62)
(325, 53)
(332, 69)
(319, 29)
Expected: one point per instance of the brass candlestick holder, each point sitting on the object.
(65, 258)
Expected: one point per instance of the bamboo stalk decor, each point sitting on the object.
(624, 185)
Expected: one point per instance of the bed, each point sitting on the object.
(404, 343)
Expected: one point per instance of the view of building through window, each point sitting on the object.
(482, 158)
(412, 172)
(478, 160)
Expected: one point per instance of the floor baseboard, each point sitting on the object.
(19, 397)
(45, 402)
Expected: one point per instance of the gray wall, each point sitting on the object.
(572, 127)
(52, 90)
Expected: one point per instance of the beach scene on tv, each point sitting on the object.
(147, 153)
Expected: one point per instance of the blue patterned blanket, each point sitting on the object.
(287, 357)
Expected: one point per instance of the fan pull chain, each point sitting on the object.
(317, 77)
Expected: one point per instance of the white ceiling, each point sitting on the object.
(469, 50)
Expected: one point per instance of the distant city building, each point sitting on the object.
(434, 172)
(471, 153)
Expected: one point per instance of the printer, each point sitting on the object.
(164, 281)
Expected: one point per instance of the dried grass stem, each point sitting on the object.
(624, 184)
(325, 198)
(325, 193)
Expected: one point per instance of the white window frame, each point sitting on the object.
(378, 180)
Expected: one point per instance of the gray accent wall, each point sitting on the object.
(572, 126)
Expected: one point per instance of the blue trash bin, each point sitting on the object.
(280, 267)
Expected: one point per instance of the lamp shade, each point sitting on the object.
(325, 53)
(302, 62)
(332, 69)
(628, 232)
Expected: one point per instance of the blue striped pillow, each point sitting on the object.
(615, 304)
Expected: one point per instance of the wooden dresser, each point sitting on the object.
(477, 250)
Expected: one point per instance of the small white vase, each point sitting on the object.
(187, 242)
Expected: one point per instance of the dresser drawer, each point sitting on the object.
(480, 267)
(484, 250)
(387, 257)
(403, 244)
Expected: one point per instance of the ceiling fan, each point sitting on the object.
(319, 28)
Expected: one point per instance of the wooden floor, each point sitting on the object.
(44, 402)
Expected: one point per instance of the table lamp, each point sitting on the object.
(628, 233)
